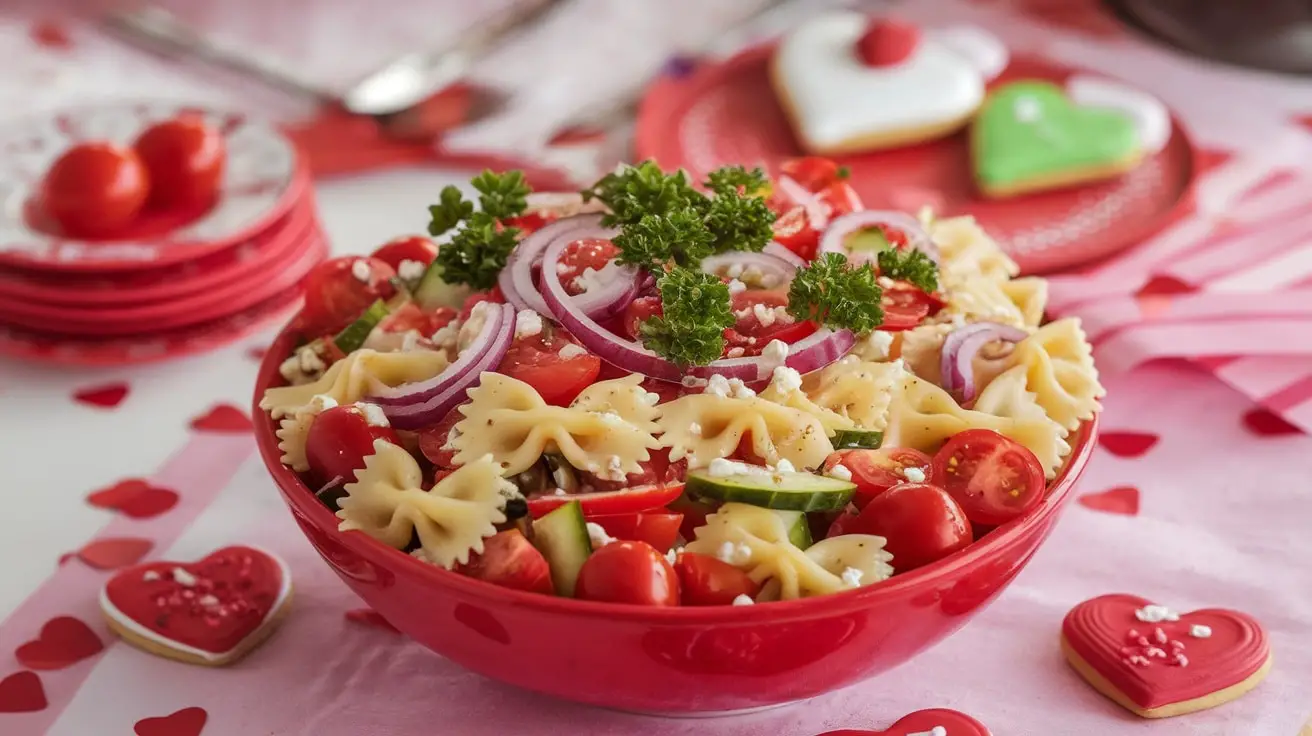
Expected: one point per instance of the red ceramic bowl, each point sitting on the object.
(668, 660)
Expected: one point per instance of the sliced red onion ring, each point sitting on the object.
(516, 279)
(767, 263)
(416, 405)
(783, 254)
(959, 349)
(816, 212)
(618, 287)
(811, 353)
(835, 237)
(619, 283)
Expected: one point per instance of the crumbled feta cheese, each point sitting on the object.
(753, 274)
(445, 336)
(410, 270)
(208, 600)
(474, 325)
(734, 271)
(722, 468)
(784, 466)
(304, 364)
(570, 350)
(373, 414)
(150, 576)
(840, 472)
(852, 577)
(740, 390)
(615, 468)
(589, 280)
(776, 352)
(877, 346)
(734, 554)
(598, 536)
(743, 600)
(786, 380)
(884, 282)
(320, 403)
(694, 429)
(736, 286)
(743, 313)
(672, 555)
(764, 315)
(361, 271)
(1200, 631)
(770, 280)
(692, 382)
(718, 385)
(560, 492)
(735, 353)
(183, 578)
(913, 474)
(651, 399)
(527, 324)
(562, 268)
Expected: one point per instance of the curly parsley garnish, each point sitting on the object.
(696, 311)
(834, 293)
(638, 191)
(911, 265)
(680, 237)
(479, 250)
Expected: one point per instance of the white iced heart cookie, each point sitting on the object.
(852, 84)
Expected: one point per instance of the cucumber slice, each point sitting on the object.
(858, 439)
(353, 335)
(870, 240)
(783, 491)
(799, 531)
(562, 537)
(432, 292)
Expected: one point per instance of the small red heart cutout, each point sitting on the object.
(134, 497)
(185, 722)
(931, 722)
(1119, 500)
(111, 554)
(106, 396)
(887, 42)
(21, 692)
(1127, 444)
(257, 352)
(1163, 286)
(63, 641)
(370, 617)
(1265, 423)
(222, 418)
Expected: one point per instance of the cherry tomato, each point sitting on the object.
(707, 581)
(842, 524)
(656, 528)
(876, 471)
(339, 440)
(905, 307)
(994, 478)
(794, 230)
(95, 189)
(338, 291)
(751, 334)
(185, 157)
(578, 257)
(638, 311)
(628, 500)
(694, 513)
(647, 476)
(509, 560)
(812, 172)
(537, 361)
(415, 248)
(628, 572)
(435, 441)
(473, 300)
(531, 222)
(920, 521)
(411, 317)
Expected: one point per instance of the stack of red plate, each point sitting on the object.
(172, 283)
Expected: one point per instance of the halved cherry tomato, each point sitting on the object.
(435, 441)
(707, 581)
(638, 311)
(628, 500)
(411, 317)
(95, 189)
(812, 172)
(906, 307)
(531, 222)
(537, 361)
(509, 560)
(628, 572)
(653, 527)
(694, 513)
(339, 440)
(578, 257)
(751, 334)
(185, 157)
(842, 524)
(876, 471)
(495, 296)
(794, 230)
(994, 478)
(406, 248)
(920, 522)
(338, 291)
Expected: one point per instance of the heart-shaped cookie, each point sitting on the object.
(838, 103)
(212, 612)
(1157, 663)
(1029, 136)
(932, 722)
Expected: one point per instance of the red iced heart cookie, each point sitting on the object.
(1157, 663)
(63, 641)
(887, 42)
(111, 554)
(186, 722)
(107, 396)
(21, 692)
(932, 722)
(209, 612)
(1127, 444)
(222, 418)
(1120, 500)
(134, 497)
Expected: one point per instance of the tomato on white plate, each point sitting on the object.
(185, 157)
(876, 471)
(628, 572)
(339, 440)
(338, 291)
(994, 478)
(95, 189)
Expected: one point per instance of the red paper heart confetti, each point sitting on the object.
(111, 554)
(21, 692)
(1120, 500)
(222, 418)
(105, 396)
(1127, 444)
(63, 641)
(51, 34)
(1158, 663)
(134, 497)
(932, 722)
(1265, 423)
(1159, 286)
(370, 617)
(185, 722)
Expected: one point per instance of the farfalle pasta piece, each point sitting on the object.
(965, 249)
(923, 416)
(977, 299)
(1007, 396)
(792, 395)
(507, 419)
(704, 427)
(353, 377)
(294, 429)
(856, 390)
(624, 397)
(387, 501)
(1030, 295)
(863, 553)
(1059, 370)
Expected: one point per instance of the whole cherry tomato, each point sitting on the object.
(338, 291)
(95, 189)
(920, 521)
(339, 440)
(994, 478)
(657, 528)
(707, 581)
(628, 572)
(185, 157)
(397, 251)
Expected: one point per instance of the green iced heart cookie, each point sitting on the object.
(1028, 135)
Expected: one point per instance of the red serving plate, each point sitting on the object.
(728, 113)
(667, 660)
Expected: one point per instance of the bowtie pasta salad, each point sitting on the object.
(663, 392)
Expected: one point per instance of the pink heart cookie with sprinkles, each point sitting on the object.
(211, 612)
(1157, 663)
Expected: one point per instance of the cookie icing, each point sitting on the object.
(1151, 119)
(982, 49)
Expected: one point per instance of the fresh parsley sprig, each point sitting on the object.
(652, 242)
(502, 195)
(638, 191)
(910, 265)
(479, 250)
(451, 209)
(832, 292)
(696, 311)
